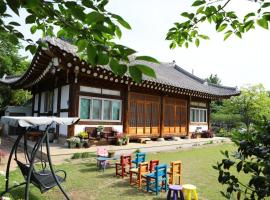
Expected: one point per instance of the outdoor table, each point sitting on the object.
(103, 161)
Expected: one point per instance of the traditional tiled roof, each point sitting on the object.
(167, 74)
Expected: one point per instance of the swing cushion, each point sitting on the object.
(43, 179)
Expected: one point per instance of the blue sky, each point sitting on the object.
(237, 62)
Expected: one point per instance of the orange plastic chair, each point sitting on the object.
(139, 172)
(175, 173)
(153, 164)
(122, 168)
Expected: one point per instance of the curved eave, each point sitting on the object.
(70, 62)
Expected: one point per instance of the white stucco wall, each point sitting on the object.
(42, 102)
(64, 97)
(79, 128)
(62, 128)
(192, 127)
(36, 102)
(55, 99)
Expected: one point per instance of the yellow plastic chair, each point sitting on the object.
(189, 190)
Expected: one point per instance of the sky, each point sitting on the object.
(237, 62)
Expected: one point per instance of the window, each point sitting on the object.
(100, 109)
(48, 101)
(198, 115)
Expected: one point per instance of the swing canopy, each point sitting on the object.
(37, 121)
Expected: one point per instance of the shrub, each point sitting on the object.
(83, 135)
(76, 156)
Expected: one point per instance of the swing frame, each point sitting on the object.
(32, 157)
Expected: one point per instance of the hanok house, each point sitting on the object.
(173, 104)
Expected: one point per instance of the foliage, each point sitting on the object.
(85, 182)
(74, 140)
(11, 63)
(83, 135)
(251, 105)
(224, 20)
(224, 133)
(76, 156)
(100, 128)
(213, 78)
(85, 23)
(225, 119)
(251, 158)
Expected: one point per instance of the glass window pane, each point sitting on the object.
(201, 116)
(97, 104)
(106, 110)
(116, 105)
(85, 108)
(197, 115)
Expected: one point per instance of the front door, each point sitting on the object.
(175, 116)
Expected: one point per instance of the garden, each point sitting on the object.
(84, 181)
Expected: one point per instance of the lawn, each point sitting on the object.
(85, 182)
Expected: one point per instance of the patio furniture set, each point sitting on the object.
(154, 176)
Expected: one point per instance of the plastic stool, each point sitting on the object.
(175, 189)
(188, 189)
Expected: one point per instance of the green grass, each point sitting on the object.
(85, 182)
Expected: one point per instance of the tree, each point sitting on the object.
(11, 63)
(253, 153)
(250, 159)
(225, 21)
(253, 105)
(86, 23)
(213, 78)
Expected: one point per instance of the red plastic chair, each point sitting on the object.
(153, 164)
(122, 168)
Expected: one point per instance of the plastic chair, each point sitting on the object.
(153, 164)
(140, 157)
(157, 181)
(189, 189)
(175, 189)
(102, 152)
(175, 173)
(123, 166)
(139, 172)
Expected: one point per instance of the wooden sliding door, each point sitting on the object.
(144, 115)
(175, 116)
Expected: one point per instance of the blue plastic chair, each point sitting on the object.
(140, 157)
(157, 181)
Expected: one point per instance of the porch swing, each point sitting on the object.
(45, 178)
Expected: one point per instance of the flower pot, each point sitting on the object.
(79, 145)
(71, 145)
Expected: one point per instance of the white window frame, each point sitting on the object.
(199, 109)
(102, 102)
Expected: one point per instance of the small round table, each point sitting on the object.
(175, 189)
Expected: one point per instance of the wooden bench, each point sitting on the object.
(108, 133)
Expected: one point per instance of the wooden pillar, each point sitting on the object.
(161, 125)
(188, 114)
(72, 107)
(208, 114)
(126, 99)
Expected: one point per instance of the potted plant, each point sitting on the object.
(119, 139)
(72, 142)
(125, 140)
(83, 135)
(79, 144)
(99, 130)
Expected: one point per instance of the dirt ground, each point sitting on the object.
(5, 146)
